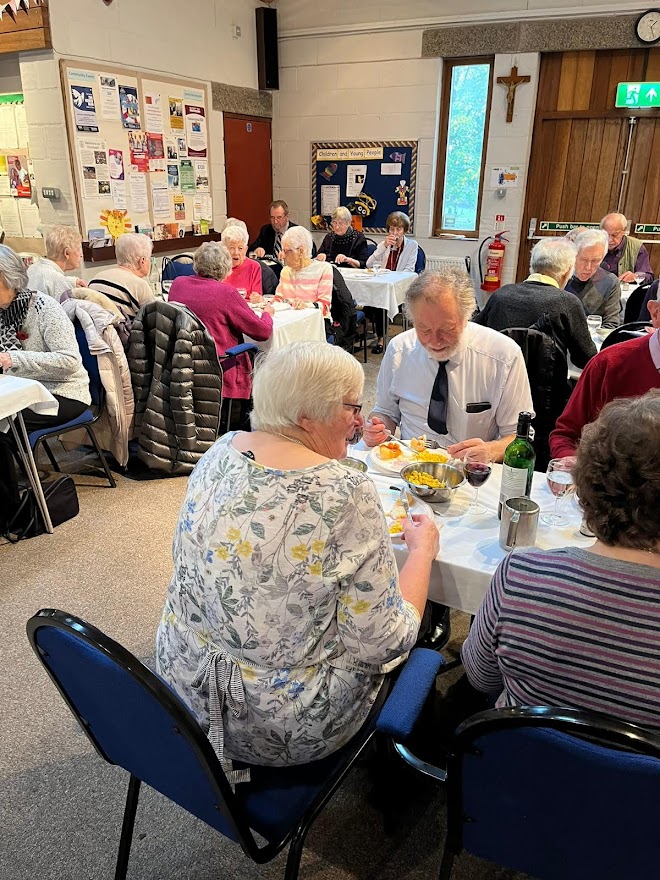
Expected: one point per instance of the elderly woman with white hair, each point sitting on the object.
(344, 245)
(599, 291)
(245, 274)
(286, 609)
(224, 312)
(126, 283)
(304, 281)
(63, 254)
(37, 341)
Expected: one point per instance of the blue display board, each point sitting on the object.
(370, 178)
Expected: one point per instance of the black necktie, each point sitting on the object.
(437, 417)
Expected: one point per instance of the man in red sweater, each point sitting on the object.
(628, 369)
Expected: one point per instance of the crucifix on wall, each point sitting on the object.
(512, 81)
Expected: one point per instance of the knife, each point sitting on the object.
(403, 498)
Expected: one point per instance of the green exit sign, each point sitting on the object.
(638, 95)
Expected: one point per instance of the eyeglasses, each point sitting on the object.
(356, 407)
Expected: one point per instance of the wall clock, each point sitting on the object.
(647, 27)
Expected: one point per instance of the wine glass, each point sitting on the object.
(476, 473)
(560, 480)
(639, 277)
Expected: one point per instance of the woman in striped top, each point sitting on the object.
(303, 280)
(581, 628)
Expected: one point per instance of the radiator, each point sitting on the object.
(439, 263)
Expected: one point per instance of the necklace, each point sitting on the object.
(286, 437)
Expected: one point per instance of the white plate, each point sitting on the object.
(389, 497)
(276, 307)
(392, 466)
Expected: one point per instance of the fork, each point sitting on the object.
(429, 444)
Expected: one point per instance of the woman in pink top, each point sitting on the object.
(224, 312)
(245, 274)
(303, 280)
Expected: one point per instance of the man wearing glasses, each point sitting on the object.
(269, 240)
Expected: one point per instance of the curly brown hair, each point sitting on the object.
(617, 475)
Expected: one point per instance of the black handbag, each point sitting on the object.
(61, 500)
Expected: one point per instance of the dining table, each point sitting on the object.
(469, 544)
(292, 325)
(382, 289)
(16, 395)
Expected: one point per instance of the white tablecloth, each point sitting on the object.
(17, 394)
(294, 325)
(469, 548)
(387, 290)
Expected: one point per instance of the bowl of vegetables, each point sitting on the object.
(433, 481)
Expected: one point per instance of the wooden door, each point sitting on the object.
(579, 145)
(248, 169)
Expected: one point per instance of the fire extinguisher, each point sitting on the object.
(494, 261)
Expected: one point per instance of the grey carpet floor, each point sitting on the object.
(61, 805)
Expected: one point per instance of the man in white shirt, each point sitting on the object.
(63, 253)
(457, 382)
(126, 283)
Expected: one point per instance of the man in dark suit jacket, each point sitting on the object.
(269, 240)
(521, 305)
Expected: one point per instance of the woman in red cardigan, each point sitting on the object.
(224, 312)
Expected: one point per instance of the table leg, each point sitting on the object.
(386, 327)
(25, 451)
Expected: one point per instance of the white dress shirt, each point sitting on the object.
(487, 368)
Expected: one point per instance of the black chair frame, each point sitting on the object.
(602, 729)
(187, 726)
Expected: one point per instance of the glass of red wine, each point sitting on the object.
(476, 473)
(560, 481)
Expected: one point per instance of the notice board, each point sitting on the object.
(140, 151)
(370, 178)
(19, 214)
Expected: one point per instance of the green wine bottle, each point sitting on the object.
(518, 464)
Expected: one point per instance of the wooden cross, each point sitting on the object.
(512, 81)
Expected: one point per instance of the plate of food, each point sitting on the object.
(395, 511)
(390, 457)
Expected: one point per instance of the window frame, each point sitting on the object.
(448, 66)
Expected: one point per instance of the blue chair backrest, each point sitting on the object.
(91, 364)
(420, 264)
(173, 267)
(133, 719)
(371, 246)
(558, 807)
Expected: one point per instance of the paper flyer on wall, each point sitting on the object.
(202, 208)
(182, 147)
(30, 219)
(179, 208)
(137, 185)
(201, 175)
(94, 163)
(176, 114)
(196, 130)
(130, 108)
(84, 108)
(156, 152)
(137, 143)
(19, 176)
(9, 216)
(8, 133)
(355, 177)
(21, 125)
(171, 149)
(153, 112)
(330, 198)
(393, 168)
(4, 177)
(160, 198)
(506, 177)
(116, 164)
(108, 97)
(173, 176)
(119, 201)
(187, 176)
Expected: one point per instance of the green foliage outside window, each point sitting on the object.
(465, 145)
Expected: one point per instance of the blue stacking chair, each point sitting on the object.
(371, 246)
(87, 419)
(420, 264)
(233, 352)
(134, 720)
(560, 794)
(174, 267)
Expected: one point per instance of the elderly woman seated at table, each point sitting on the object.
(224, 313)
(63, 254)
(37, 341)
(304, 281)
(598, 291)
(286, 608)
(344, 245)
(397, 253)
(245, 274)
(580, 627)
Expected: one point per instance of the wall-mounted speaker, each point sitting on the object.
(267, 60)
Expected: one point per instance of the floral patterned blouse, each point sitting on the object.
(284, 610)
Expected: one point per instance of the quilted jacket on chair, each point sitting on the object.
(177, 383)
